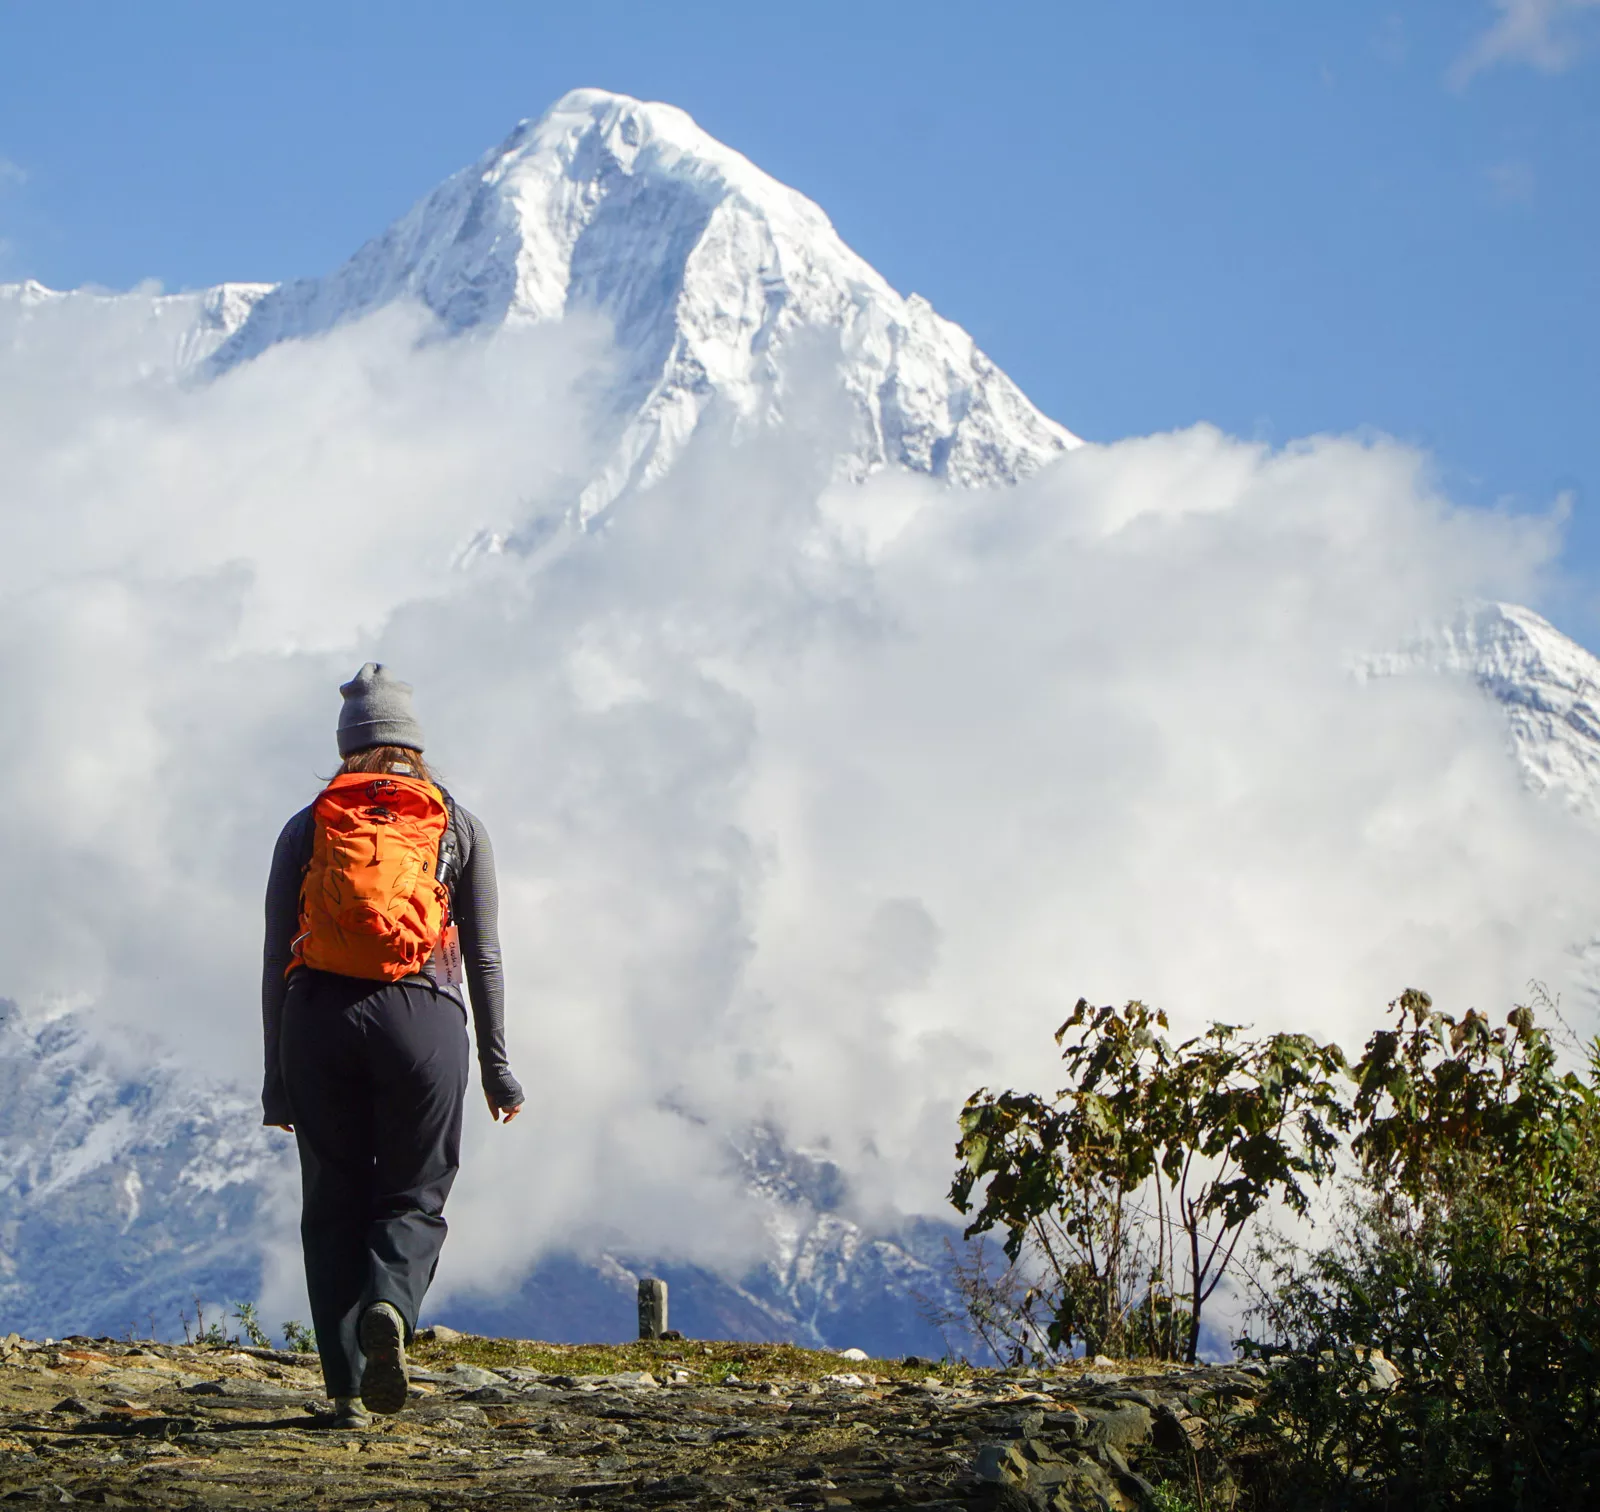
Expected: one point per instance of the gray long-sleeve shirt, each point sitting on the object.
(475, 907)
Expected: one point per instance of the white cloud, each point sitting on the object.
(1543, 34)
(812, 803)
(11, 173)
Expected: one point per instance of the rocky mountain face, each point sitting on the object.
(1549, 687)
(718, 283)
(128, 1185)
(193, 325)
(826, 1282)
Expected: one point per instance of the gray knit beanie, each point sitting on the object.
(377, 711)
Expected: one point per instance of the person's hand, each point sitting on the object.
(499, 1114)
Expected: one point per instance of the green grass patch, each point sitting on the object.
(714, 1360)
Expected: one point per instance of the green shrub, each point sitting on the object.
(1124, 1198)
(1467, 1252)
(1441, 1350)
(244, 1314)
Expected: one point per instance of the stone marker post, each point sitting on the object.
(652, 1308)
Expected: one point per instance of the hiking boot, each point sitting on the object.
(383, 1342)
(349, 1413)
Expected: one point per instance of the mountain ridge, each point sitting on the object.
(711, 274)
(1547, 684)
(129, 1184)
(716, 280)
(198, 321)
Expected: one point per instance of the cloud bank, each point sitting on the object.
(813, 804)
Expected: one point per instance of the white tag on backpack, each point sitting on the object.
(447, 957)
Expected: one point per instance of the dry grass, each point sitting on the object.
(715, 1359)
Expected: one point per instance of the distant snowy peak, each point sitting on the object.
(198, 322)
(713, 276)
(1549, 687)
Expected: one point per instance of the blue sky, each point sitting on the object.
(1283, 219)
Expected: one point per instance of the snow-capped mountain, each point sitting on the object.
(725, 292)
(130, 1188)
(193, 324)
(728, 295)
(825, 1283)
(719, 284)
(128, 1184)
(1549, 687)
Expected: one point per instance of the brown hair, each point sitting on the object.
(389, 758)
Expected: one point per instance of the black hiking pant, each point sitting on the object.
(375, 1074)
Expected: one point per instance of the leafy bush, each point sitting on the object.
(1468, 1253)
(1123, 1199)
(1440, 1351)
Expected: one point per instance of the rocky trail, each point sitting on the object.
(510, 1424)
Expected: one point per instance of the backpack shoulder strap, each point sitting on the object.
(448, 866)
(307, 836)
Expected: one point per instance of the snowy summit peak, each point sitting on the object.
(709, 272)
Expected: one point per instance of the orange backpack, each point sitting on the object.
(374, 900)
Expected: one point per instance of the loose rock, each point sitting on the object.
(439, 1334)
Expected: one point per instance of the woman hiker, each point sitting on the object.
(380, 891)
